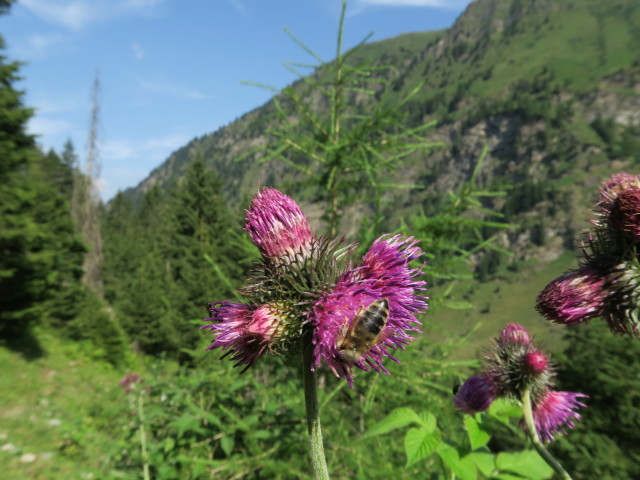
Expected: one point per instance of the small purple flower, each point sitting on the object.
(554, 412)
(130, 381)
(277, 226)
(476, 394)
(384, 274)
(575, 297)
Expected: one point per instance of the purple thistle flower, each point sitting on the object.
(576, 296)
(554, 412)
(246, 332)
(277, 226)
(384, 274)
(476, 394)
(514, 333)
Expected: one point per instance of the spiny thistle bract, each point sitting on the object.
(512, 365)
(607, 284)
(308, 289)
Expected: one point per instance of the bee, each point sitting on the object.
(364, 331)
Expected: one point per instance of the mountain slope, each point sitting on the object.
(551, 87)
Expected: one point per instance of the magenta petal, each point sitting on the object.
(555, 411)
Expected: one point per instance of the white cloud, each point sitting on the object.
(138, 51)
(453, 4)
(167, 87)
(78, 14)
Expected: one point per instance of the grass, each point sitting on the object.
(498, 302)
(57, 410)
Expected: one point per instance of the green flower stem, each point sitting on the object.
(320, 471)
(143, 439)
(535, 439)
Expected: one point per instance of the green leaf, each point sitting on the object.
(527, 464)
(169, 443)
(185, 423)
(478, 436)
(419, 443)
(398, 418)
(227, 442)
(486, 462)
(502, 409)
(464, 467)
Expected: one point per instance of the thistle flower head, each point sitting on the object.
(248, 332)
(576, 296)
(337, 316)
(277, 226)
(514, 333)
(554, 412)
(611, 188)
(624, 215)
(308, 287)
(476, 394)
(515, 363)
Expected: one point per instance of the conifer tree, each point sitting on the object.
(201, 227)
(21, 278)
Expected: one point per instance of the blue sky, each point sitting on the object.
(172, 70)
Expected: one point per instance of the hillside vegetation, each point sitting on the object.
(485, 142)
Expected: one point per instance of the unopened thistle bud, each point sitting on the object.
(624, 216)
(514, 333)
(576, 296)
(476, 394)
(611, 188)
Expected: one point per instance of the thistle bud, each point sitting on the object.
(611, 188)
(514, 333)
(624, 216)
(476, 394)
(576, 296)
(277, 226)
(536, 362)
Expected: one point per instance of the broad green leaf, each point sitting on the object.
(398, 418)
(419, 443)
(427, 421)
(527, 464)
(478, 436)
(486, 462)
(464, 467)
(227, 442)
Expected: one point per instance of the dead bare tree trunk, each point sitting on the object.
(85, 202)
